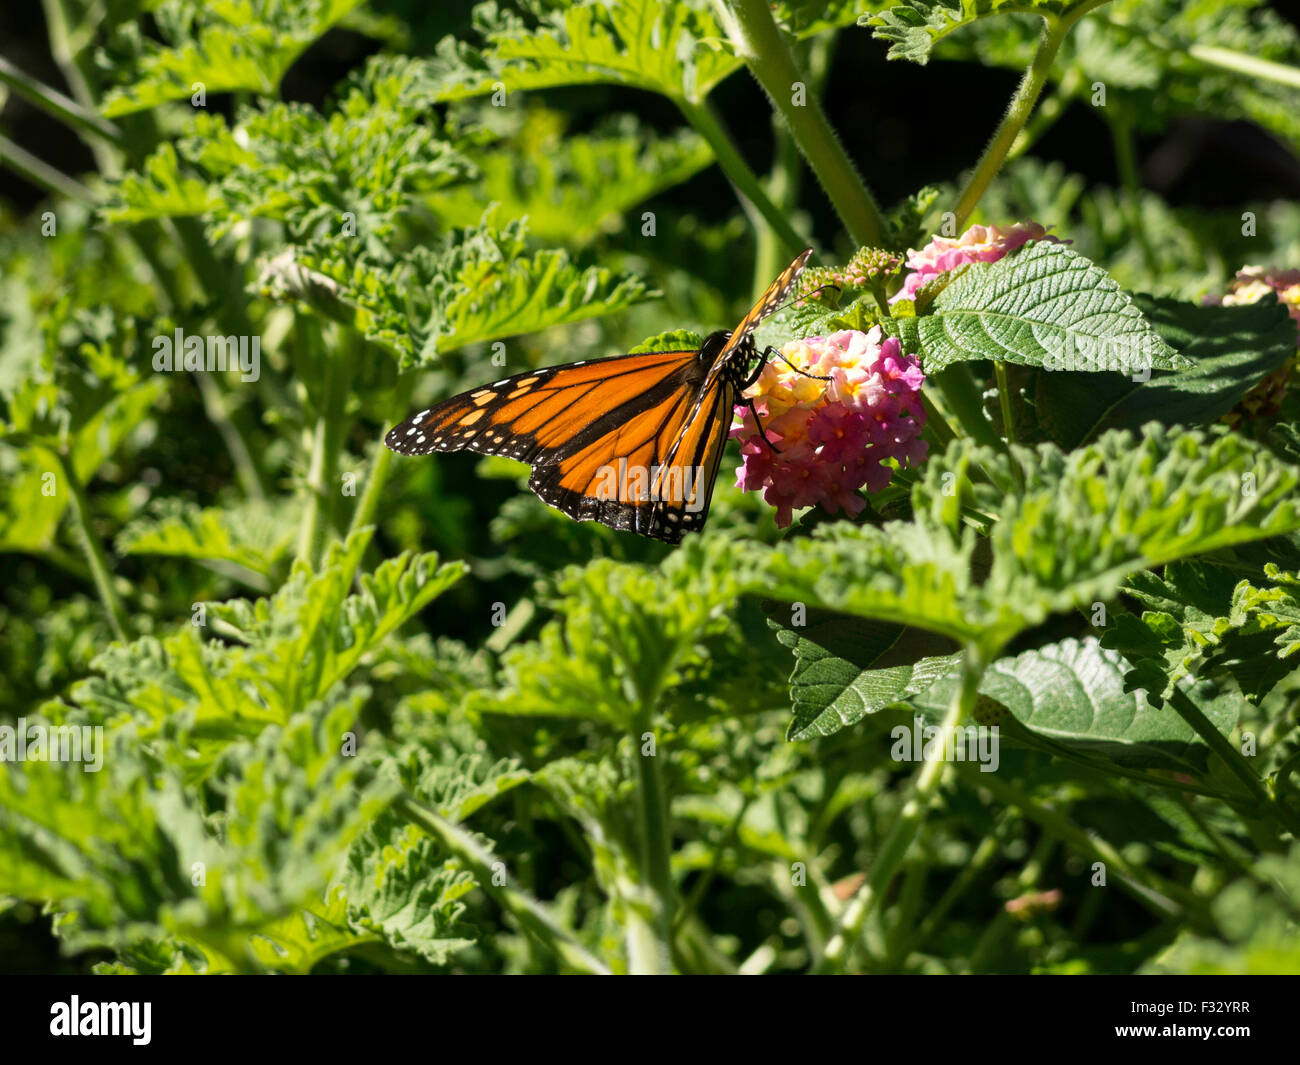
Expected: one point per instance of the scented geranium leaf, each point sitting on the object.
(356, 170)
(311, 633)
(1229, 349)
(573, 187)
(476, 285)
(914, 26)
(232, 46)
(116, 852)
(1070, 527)
(402, 884)
(1274, 610)
(1091, 516)
(677, 49)
(1043, 306)
(847, 667)
(1073, 693)
(675, 340)
(160, 190)
(906, 573)
(275, 657)
(251, 535)
(1182, 623)
(623, 634)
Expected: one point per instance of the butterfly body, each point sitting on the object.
(631, 441)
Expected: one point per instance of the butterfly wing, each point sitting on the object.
(776, 293)
(530, 415)
(586, 429)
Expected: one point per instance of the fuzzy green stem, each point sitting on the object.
(41, 174)
(1163, 898)
(326, 442)
(656, 853)
(532, 916)
(1121, 134)
(54, 103)
(759, 42)
(380, 463)
(746, 182)
(908, 825)
(1233, 759)
(95, 556)
(1004, 401)
(1250, 65)
(1022, 106)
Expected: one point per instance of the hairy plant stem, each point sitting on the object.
(40, 173)
(1121, 134)
(55, 104)
(1019, 110)
(650, 945)
(380, 463)
(322, 475)
(759, 42)
(746, 182)
(95, 556)
(533, 916)
(1234, 760)
(1250, 65)
(907, 826)
(1004, 401)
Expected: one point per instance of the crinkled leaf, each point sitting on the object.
(1043, 306)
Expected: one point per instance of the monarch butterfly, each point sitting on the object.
(632, 441)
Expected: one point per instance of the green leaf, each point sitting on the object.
(574, 187)
(1042, 306)
(677, 49)
(845, 669)
(251, 535)
(1275, 610)
(276, 655)
(675, 340)
(914, 26)
(233, 46)
(1230, 349)
(1073, 693)
(1071, 526)
(477, 285)
(357, 170)
(623, 635)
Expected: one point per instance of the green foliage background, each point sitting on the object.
(368, 714)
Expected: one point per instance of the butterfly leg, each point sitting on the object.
(761, 431)
(769, 351)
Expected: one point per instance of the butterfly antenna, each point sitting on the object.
(770, 351)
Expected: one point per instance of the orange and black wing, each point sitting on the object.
(775, 295)
(597, 435)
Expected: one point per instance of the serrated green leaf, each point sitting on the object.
(232, 46)
(477, 285)
(914, 26)
(845, 669)
(1230, 349)
(252, 535)
(1043, 306)
(1073, 693)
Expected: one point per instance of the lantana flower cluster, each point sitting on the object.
(833, 436)
(1252, 284)
(979, 244)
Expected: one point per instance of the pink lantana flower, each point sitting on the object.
(834, 436)
(979, 244)
(1253, 283)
